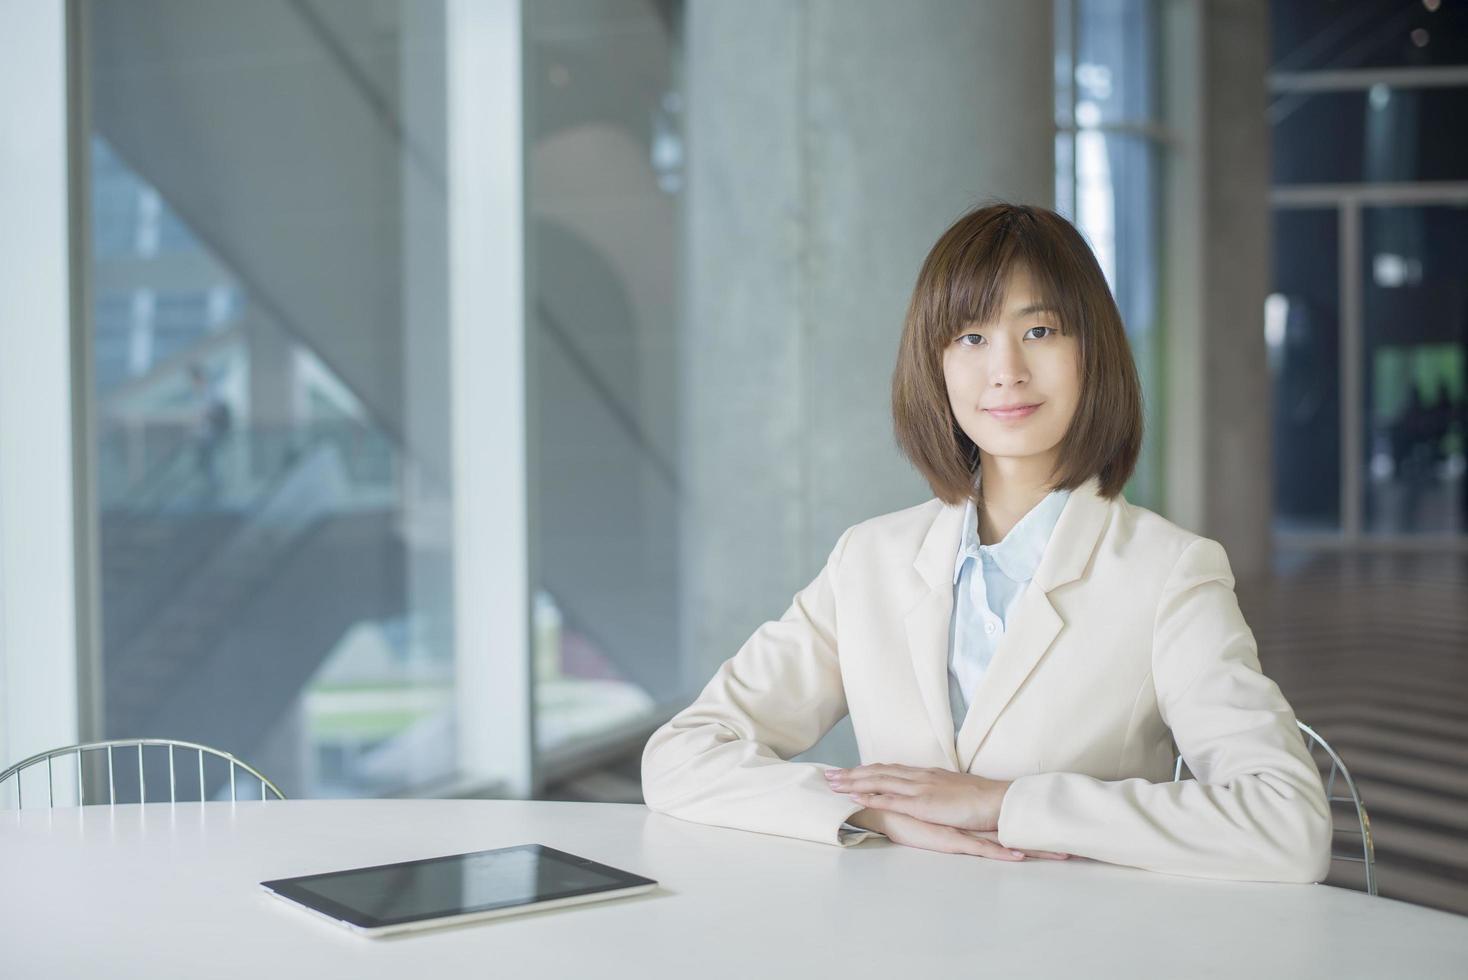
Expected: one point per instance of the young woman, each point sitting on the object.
(1020, 654)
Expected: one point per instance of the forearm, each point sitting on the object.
(1255, 811)
(1264, 826)
(706, 775)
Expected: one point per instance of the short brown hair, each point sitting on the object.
(962, 281)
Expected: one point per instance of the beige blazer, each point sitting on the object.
(1128, 637)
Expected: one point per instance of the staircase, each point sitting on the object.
(205, 591)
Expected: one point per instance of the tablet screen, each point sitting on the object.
(390, 894)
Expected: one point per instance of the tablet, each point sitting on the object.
(440, 891)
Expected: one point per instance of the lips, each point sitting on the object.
(1010, 414)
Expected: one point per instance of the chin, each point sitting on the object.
(1010, 443)
(1015, 448)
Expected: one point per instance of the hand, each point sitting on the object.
(913, 832)
(957, 799)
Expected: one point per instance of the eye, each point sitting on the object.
(974, 336)
(1051, 329)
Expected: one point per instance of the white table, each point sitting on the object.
(171, 890)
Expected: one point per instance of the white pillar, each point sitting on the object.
(39, 702)
(487, 392)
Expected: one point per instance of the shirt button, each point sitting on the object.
(989, 628)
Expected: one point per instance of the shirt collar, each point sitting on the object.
(1019, 553)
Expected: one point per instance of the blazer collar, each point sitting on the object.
(1019, 554)
(1032, 627)
(1079, 527)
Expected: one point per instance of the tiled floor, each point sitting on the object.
(1372, 652)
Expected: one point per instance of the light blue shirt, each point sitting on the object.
(981, 602)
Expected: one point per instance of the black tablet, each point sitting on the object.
(440, 891)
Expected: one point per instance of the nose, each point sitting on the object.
(1007, 365)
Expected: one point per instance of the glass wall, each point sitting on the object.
(1415, 309)
(1302, 336)
(604, 181)
(1108, 155)
(1368, 320)
(269, 362)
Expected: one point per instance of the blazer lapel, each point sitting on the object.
(1033, 622)
(927, 623)
(1032, 627)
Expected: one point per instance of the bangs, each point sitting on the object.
(979, 269)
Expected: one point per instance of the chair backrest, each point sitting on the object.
(1314, 742)
(77, 753)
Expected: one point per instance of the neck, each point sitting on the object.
(1012, 486)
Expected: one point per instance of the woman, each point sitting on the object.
(1019, 654)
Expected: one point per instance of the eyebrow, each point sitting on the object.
(1016, 314)
(1034, 308)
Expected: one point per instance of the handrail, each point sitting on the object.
(276, 446)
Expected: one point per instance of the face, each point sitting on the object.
(1014, 383)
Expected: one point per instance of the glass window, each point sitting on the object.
(1118, 208)
(1312, 35)
(1415, 311)
(1115, 67)
(1302, 336)
(1108, 181)
(1382, 134)
(271, 387)
(605, 181)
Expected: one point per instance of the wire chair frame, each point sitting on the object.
(1314, 740)
(266, 786)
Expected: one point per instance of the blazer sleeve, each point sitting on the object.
(1256, 809)
(722, 759)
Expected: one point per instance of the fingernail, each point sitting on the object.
(1018, 854)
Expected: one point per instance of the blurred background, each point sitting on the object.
(450, 387)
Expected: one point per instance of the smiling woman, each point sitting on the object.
(1020, 654)
(1010, 309)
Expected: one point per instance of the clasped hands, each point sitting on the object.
(935, 809)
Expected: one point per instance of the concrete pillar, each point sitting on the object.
(1239, 475)
(829, 143)
(1219, 464)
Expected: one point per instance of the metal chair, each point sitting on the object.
(127, 743)
(1314, 740)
